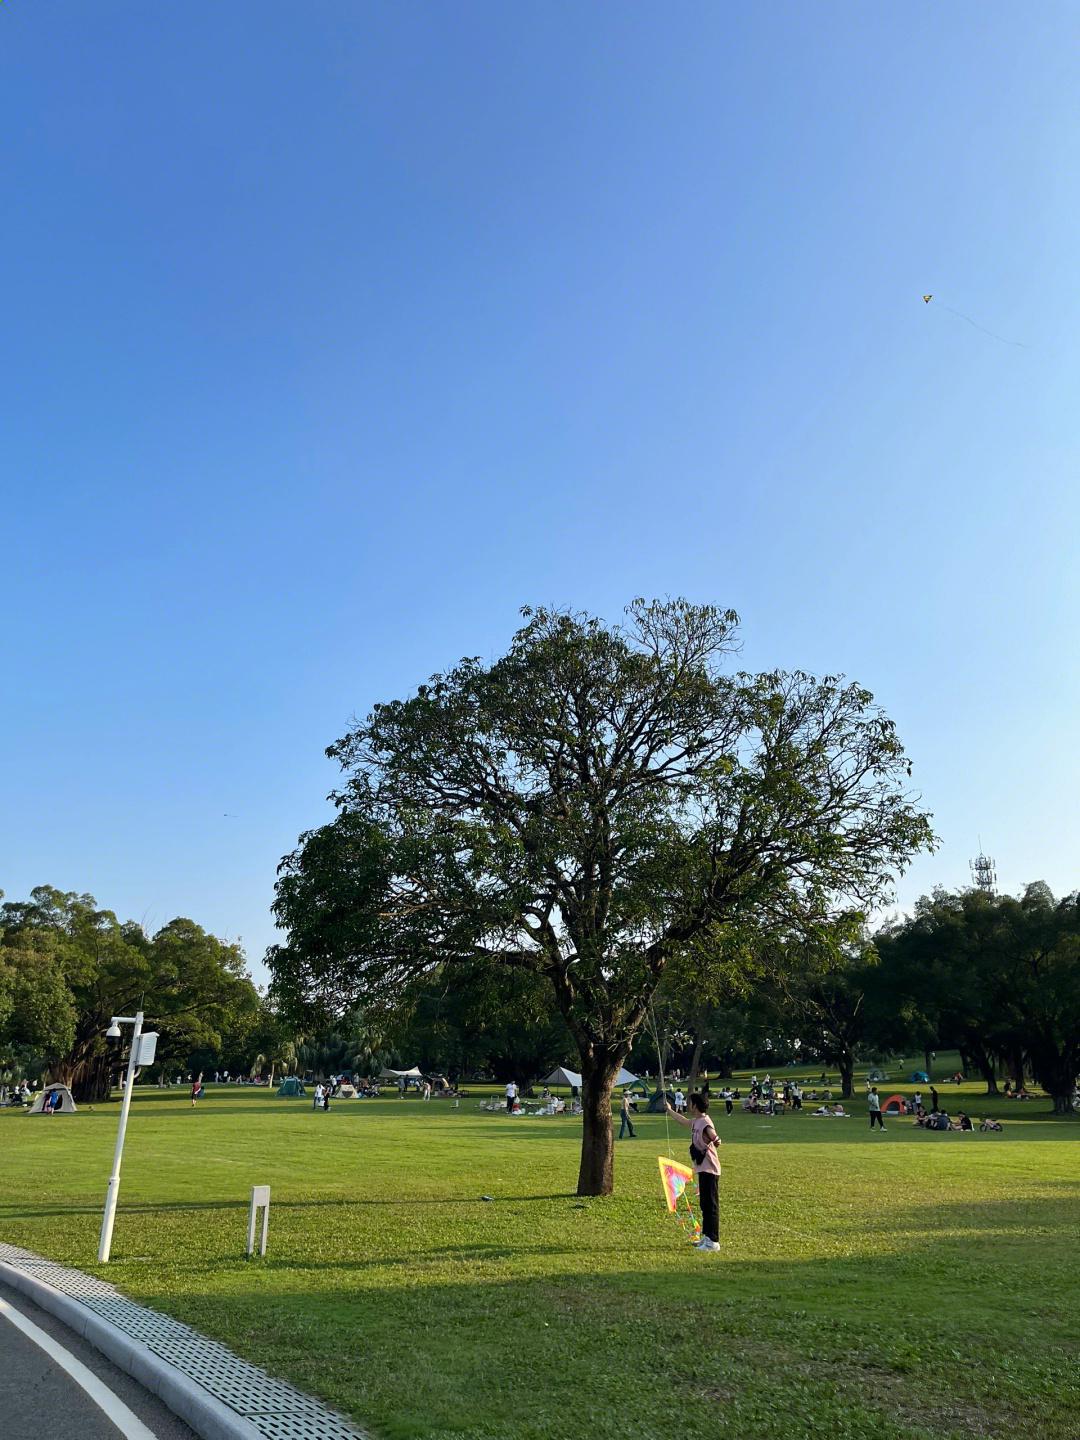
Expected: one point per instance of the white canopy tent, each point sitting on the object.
(414, 1074)
(561, 1076)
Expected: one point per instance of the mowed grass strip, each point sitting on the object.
(870, 1287)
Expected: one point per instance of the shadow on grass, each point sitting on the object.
(819, 1322)
(403, 1202)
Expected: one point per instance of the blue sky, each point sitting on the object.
(336, 332)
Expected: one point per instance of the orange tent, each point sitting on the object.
(899, 1102)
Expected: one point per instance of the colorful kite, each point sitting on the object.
(674, 1178)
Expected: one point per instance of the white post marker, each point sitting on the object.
(260, 1199)
(105, 1243)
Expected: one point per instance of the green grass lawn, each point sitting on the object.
(904, 1285)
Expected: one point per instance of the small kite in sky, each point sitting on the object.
(1019, 344)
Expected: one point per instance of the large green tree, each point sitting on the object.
(192, 986)
(584, 809)
(822, 993)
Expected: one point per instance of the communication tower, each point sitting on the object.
(984, 873)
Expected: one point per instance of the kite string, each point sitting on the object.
(660, 1068)
(1019, 344)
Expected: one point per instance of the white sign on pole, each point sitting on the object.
(260, 1200)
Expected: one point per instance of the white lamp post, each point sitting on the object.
(113, 1036)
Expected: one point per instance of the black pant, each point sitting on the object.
(509, 1104)
(876, 1115)
(709, 1195)
(728, 1106)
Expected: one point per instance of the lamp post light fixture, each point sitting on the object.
(143, 1048)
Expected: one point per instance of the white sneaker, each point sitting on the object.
(706, 1244)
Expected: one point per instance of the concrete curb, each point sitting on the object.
(208, 1416)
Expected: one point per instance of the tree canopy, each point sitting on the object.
(997, 974)
(585, 809)
(75, 965)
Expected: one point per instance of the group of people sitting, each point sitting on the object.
(766, 1098)
(941, 1120)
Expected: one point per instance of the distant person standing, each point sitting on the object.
(316, 1103)
(729, 1101)
(934, 1099)
(196, 1091)
(427, 1089)
(873, 1102)
(627, 1123)
(511, 1096)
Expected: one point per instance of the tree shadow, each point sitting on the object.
(783, 1343)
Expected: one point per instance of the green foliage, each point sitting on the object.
(996, 974)
(469, 1020)
(75, 966)
(820, 991)
(585, 809)
(41, 1011)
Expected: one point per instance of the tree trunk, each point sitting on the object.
(596, 1175)
(927, 1062)
(695, 1063)
(984, 1063)
(1063, 1104)
(90, 1080)
(847, 1074)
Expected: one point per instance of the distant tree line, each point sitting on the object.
(67, 966)
(995, 977)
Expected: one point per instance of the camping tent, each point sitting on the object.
(895, 1105)
(290, 1087)
(561, 1076)
(920, 1077)
(875, 1075)
(387, 1074)
(65, 1107)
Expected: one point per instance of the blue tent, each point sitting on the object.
(920, 1077)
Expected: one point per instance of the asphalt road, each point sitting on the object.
(41, 1400)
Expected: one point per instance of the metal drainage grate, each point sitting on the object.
(301, 1427)
(276, 1409)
